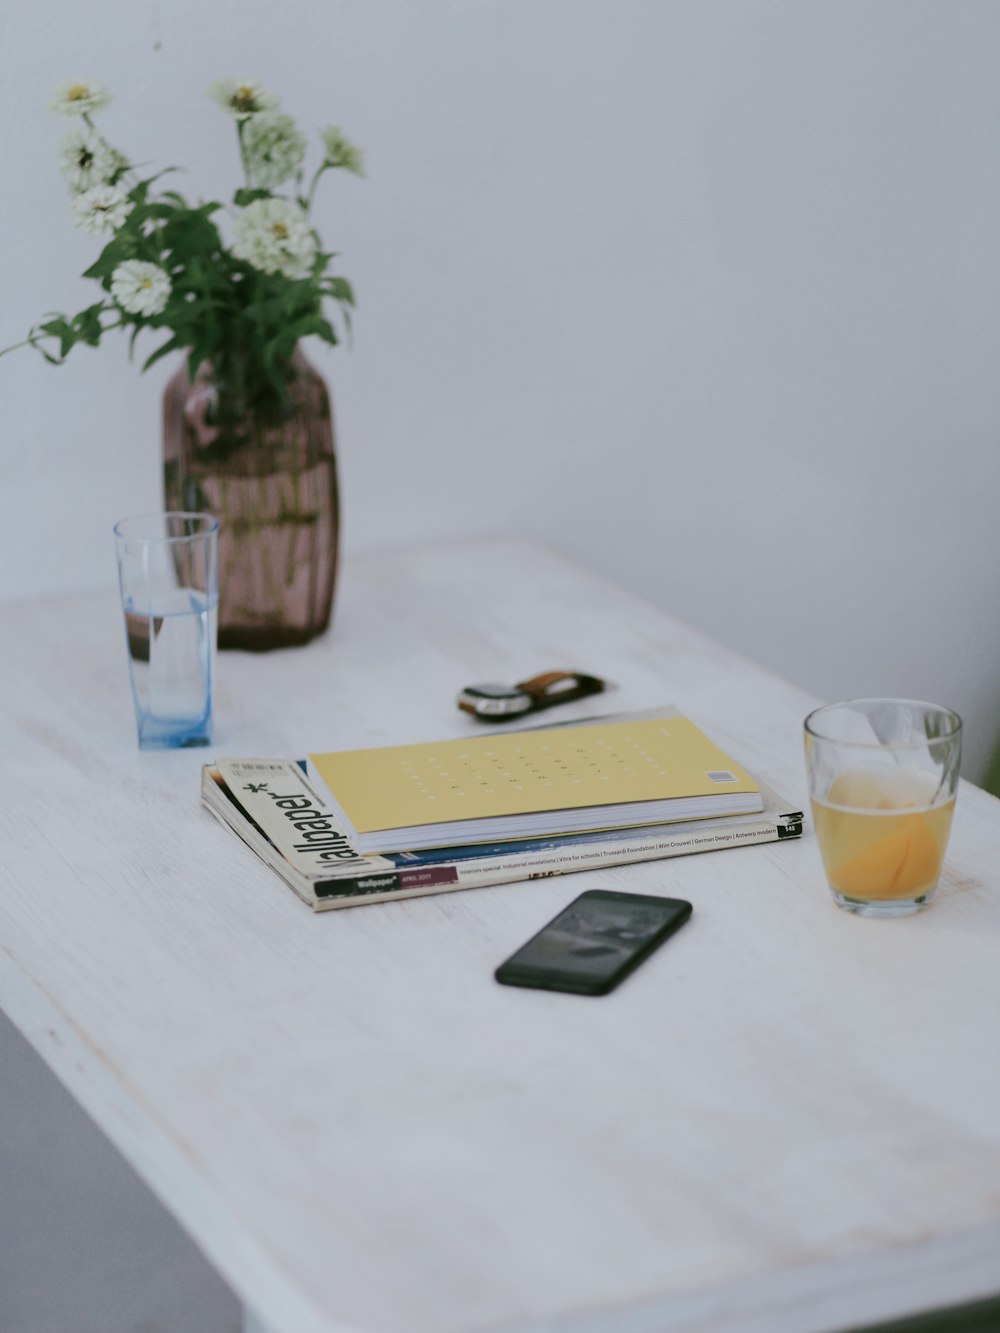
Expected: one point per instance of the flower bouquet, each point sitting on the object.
(248, 432)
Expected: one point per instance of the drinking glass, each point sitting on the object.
(883, 776)
(169, 589)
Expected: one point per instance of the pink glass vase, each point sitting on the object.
(265, 467)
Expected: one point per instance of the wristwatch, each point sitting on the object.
(502, 703)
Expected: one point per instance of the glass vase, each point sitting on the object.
(264, 465)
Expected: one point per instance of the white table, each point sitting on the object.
(789, 1119)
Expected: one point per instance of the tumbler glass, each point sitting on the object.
(169, 589)
(883, 776)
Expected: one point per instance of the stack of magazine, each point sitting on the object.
(364, 826)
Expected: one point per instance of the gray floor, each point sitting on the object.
(84, 1246)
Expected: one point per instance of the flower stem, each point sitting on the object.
(30, 341)
(243, 152)
(312, 188)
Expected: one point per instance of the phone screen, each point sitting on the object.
(594, 942)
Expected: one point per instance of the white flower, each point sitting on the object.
(79, 99)
(274, 149)
(274, 235)
(340, 152)
(101, 209)
(86, 160)
(242, 97)
(140, 288)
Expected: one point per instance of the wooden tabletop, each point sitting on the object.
(788, 1119)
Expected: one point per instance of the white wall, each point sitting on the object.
(705, 294)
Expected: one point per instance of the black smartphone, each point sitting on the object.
(595, 942)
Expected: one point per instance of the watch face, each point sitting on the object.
(494, 700)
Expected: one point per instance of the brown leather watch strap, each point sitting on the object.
(556, 687)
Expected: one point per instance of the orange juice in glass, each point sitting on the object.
(883, 776)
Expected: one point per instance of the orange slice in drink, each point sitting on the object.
(902, 864)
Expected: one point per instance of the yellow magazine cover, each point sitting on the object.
(517, 782)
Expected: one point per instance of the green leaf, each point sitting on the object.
(171, 345)
(340, 289)
(55, 328)
(88, 324)
(131, 342)
(62, 329)
(164, 171)
(187, 233)
(120, 248)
